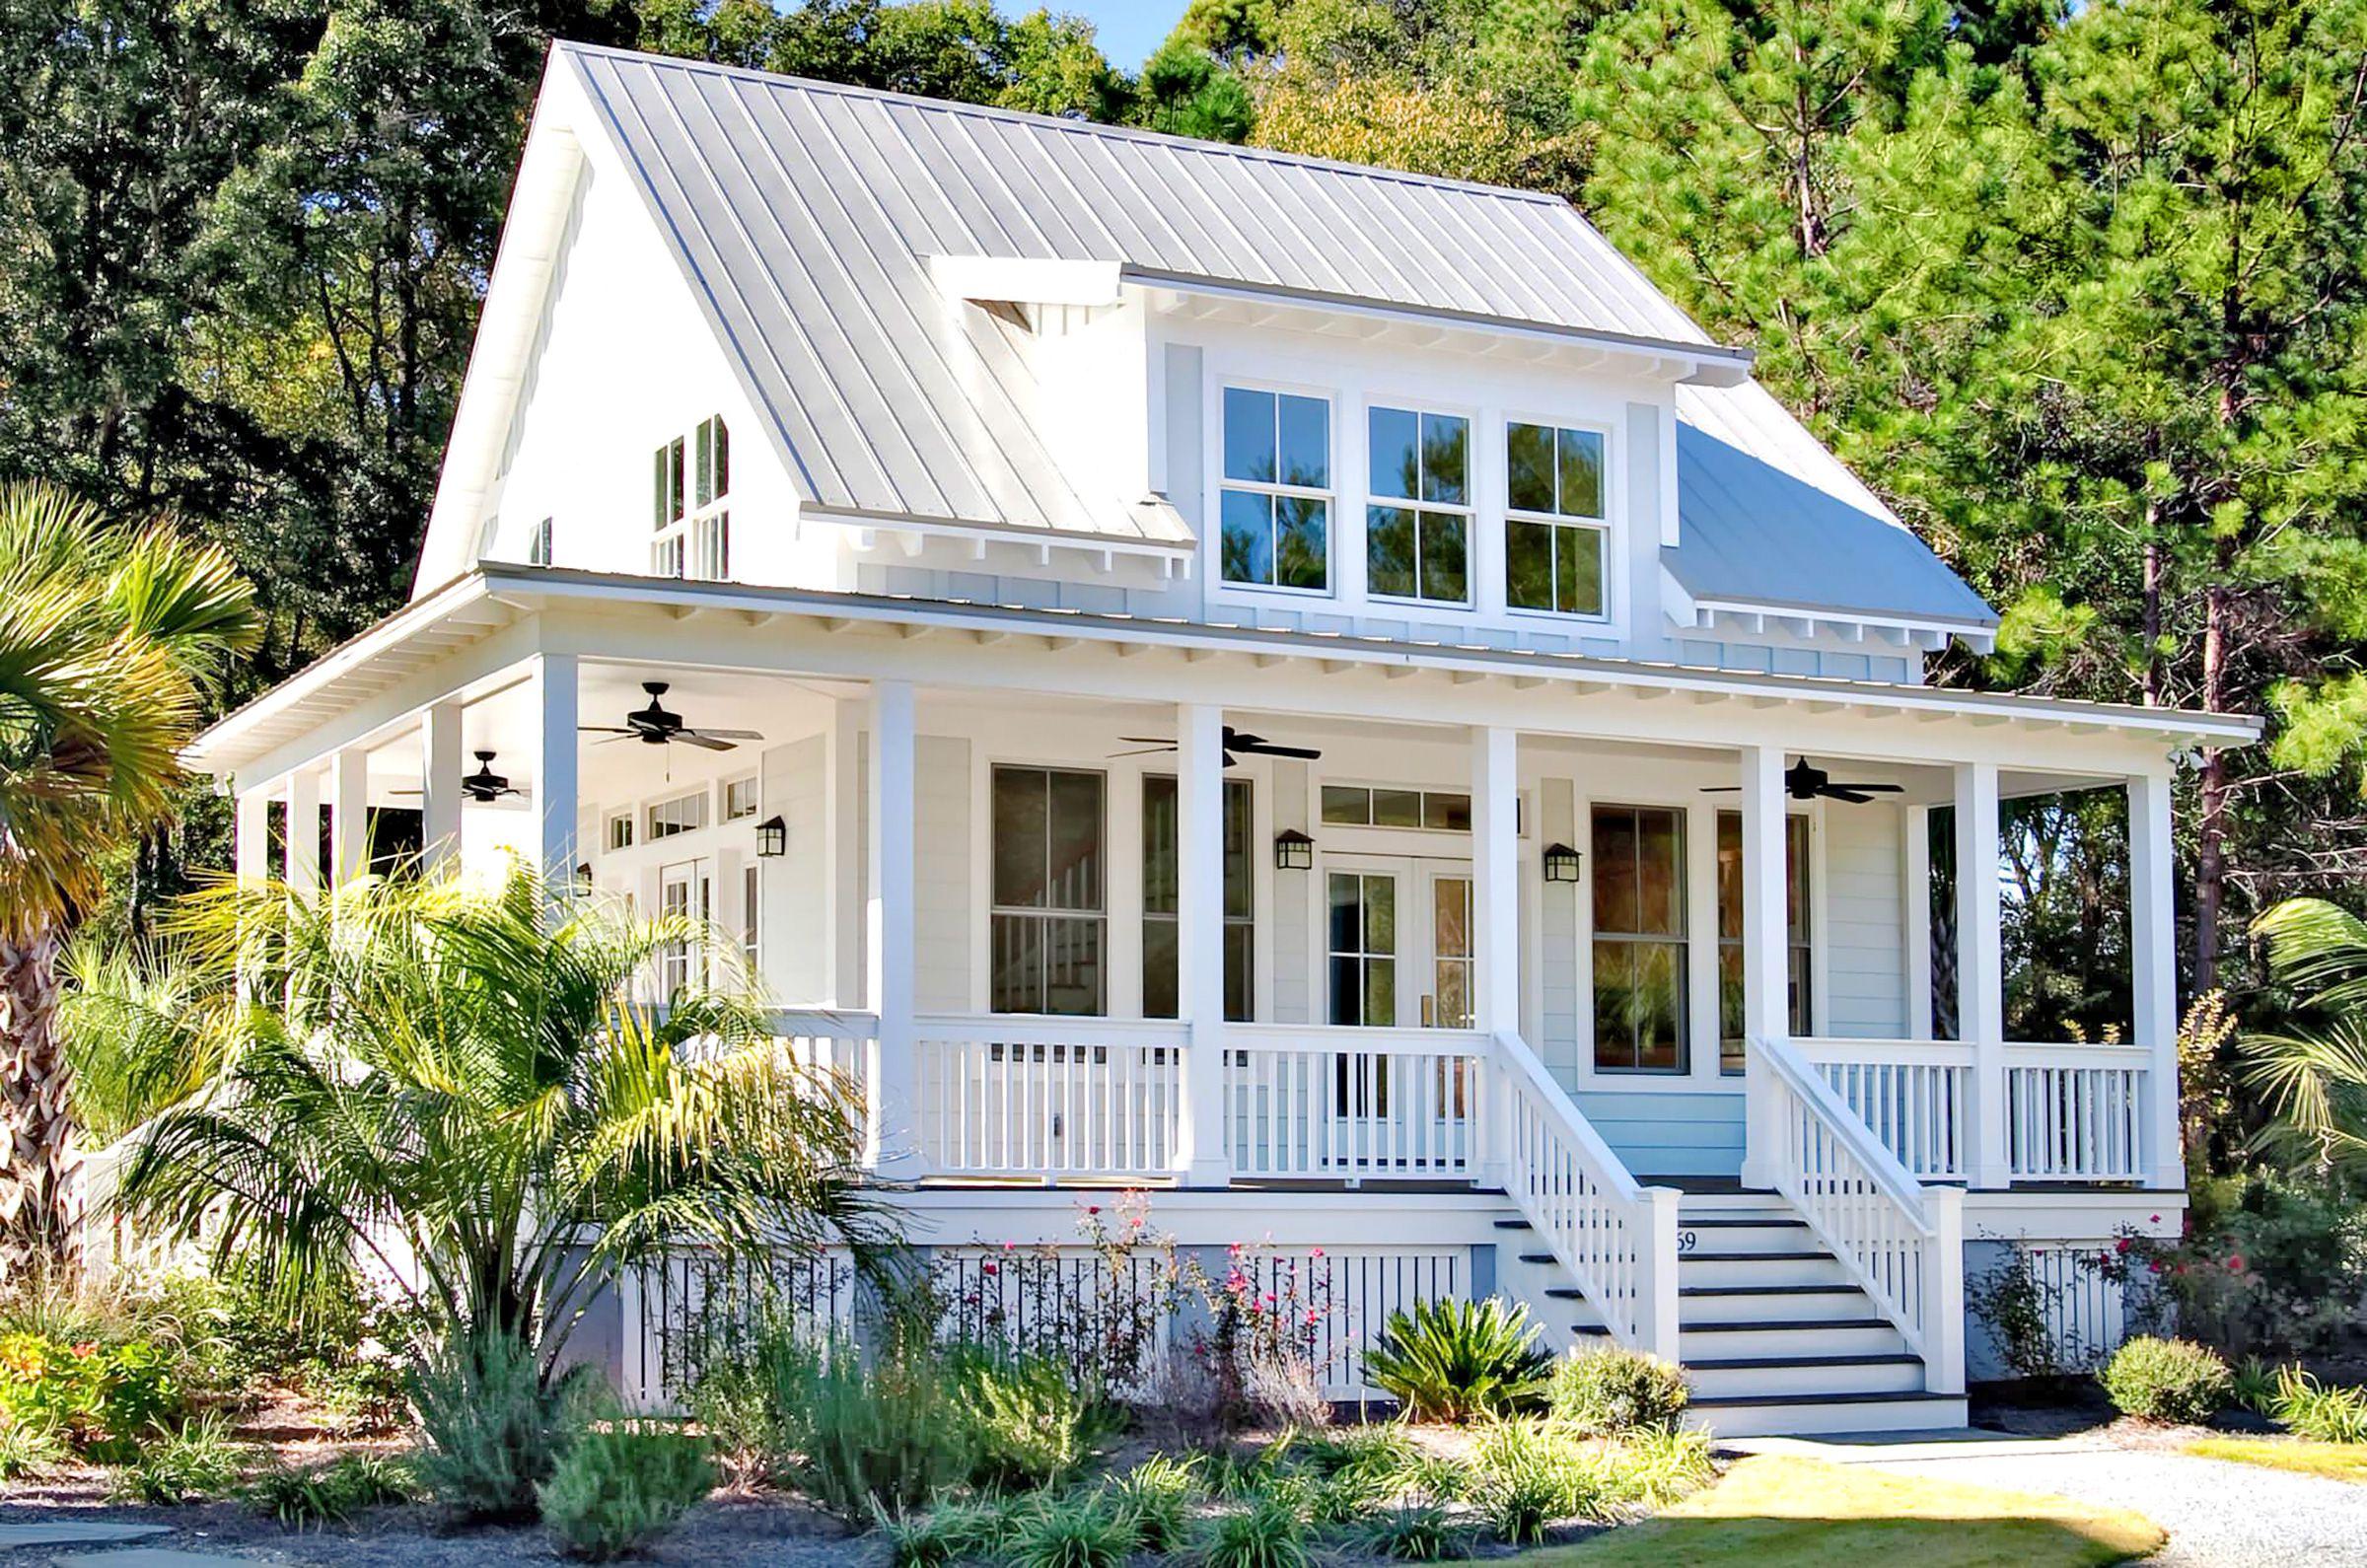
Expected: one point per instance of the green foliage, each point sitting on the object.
(1609, 1390)
(2168, 1380)
(1380, 1450)
(490, 1431)
(1532, 1476)
(884, 1434)
(1268, 1533)
(313, 1496)
(2268, 1265)
(103, 1400)
(2314, 1078)
(129, 1027)
(1070, 1532)
(1349, 1495)
(742, 1396)
(197, 1461)
(1437, 1477)
(1416, 1532)
(2312, 1409)
(1655, 1466)
(1031, 1425)
(622, 1485)
(1454, 1360)
(26, 1448)
(946, 1533)
(1154, 1500)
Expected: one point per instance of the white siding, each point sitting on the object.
(942, 918)
(1865, 982)
(796, 916)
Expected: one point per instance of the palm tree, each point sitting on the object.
(457, 1086)
(2315, 1077)
(108, 636)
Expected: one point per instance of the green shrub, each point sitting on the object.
(1154, 1500)
(1436, 1477)
(1074, 1533)
(946, 1533)
(1655, 1466)
(1531, 1476)
(1346, 1497)
(1608, 1390)
(2254, 1385)
(103, 1400)
(890, 1434)
(198, 1462)
(2168, 1380)
(1030, 1425)
(742, 1398)
(1416, 1532)
(490, 1432)
(623, 1485)
(2315, 1410)
(1381, 1450)
(1268, 1533)
(325, 1494)
(1453, 1361)
(28, 1448)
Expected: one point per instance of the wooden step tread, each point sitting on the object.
(1783, 1325)
(1514, 1225)
(1742, 1222)
(1747, 1257)
(1761, 1400)
(1768, 1290)
(1741, 1363)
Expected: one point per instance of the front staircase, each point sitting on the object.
(1773, 1335)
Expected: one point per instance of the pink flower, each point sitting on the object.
(2235, 1262)
(1312, 1318)
(1093, 1208)
(990, 1268)
(1318, 1253)
(2121, 1246)
(1267, 1298)
(2155, 1266)
(2156, 1220)
(1234, 1250)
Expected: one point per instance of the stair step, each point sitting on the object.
(1777, 1325)
(1763, 1416)
(1804, 1304)
(1537, 1257)
(1804, 1377)
(1735, 1363)
(1768, 1290)
(1747, 1401)
(1755, 1257)
(1592, 1330)
(1514, 1225)
(1809, 1337)
(1738, 1221)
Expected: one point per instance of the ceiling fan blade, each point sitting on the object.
(1229, 759)
(602, 729)
(1252, 745)
(621, 735)
(729, 735)
(1156, 741)
(1871, 789)
(1842, 792)
(705, 743)
(1140, 750)
(1721, 789)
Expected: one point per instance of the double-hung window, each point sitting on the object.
(1159, 899)
(1048, 925)
(1555, 535)
(1730, 933)
(666, 504)
(691, 485)
(1639, 938)
(1418, 518)
(1275, 506)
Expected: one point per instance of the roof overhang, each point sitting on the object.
(1756, 618)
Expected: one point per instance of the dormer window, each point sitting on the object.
(1418, 522)
(1275, 506)
(693, 522)
(1554, 532)
(538, 546)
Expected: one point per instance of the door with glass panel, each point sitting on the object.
(686, 891)
(1399, 954)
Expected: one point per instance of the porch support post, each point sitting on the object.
(1495, 932)
(302, 849)
(1980, 970)
(440, 785)
(555, 766)
(1202, 1150)
(1766, 952)
(2153, 975)
(891, 1140)
(349, 817)
(251, 861)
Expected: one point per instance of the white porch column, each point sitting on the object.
(302, 846)
(440, 785)
(1980, 969)
(555, 771)
(1203, 1150)
(892, 1134)
(1767, 951)
(1496, 928)
(250, 837)
(349, 817)
(2153, 972)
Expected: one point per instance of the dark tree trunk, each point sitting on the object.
(40, 1187)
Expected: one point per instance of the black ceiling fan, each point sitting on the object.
(1805, 781)
(655, 725)
(1235, 741)
(484, 786)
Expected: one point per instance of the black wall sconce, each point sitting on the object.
(772, 839)
(1293, 850)
(583, 877)
(1561, 863)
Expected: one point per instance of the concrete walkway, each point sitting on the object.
(2220, 1514)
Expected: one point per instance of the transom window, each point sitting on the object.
(1159, 900)
(1049, 923)
(739, 797)
(1555, 537)
(1730, 933)
(1419, 519)
(1274, 521)
(684, 814)
(1357, 806)
(1639, 938)
(694, 524)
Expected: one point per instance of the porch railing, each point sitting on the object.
(1373, 1104)
(1903, 1243)
(1045, 1098)
(2076, 1113)
(1915, 1095)
(1618, 1238)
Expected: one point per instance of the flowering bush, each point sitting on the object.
(104, 1399)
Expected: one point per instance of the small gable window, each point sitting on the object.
(537, 549)
(1275, 504)
(1554, 535)
(1418, 525)
(692, 488)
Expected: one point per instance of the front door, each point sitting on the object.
(1400, 951)
(686, 891)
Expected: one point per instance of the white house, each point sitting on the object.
(1313, 690)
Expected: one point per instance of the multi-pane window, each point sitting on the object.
(690, 486)
(1048, 927)
(1639, 938)
(666, 509)
(684, 814)
(751, 902)
(1160, 902)
(539, 544)
(1418, 521)
(739, 797)
(1555, 537)
(1359, 805)
(621, 831)
(1275, 523)
(1363, 949)
(1730, 933)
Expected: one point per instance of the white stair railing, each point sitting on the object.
(1903, 1243)
(1616, 1238)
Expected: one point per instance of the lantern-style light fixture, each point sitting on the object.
(1561, 863)
(583, 877)
(772, 839)
(1293, 850)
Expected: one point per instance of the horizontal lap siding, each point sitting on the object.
(1865, 982)
(942, 871)
(1667, 1132)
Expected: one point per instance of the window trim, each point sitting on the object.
(629, 819)
(1469, 510)
(1804, 947)
(996, 910)
(723, 797)
(1218, 483)
(1604, 526)
(1686, 1071)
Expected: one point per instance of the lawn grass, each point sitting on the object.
(2343, 1461)
(1776, 1511)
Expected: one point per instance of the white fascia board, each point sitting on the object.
(1705, 614)
(1025, 280)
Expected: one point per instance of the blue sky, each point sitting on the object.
(1128, 29)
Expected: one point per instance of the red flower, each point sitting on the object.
(990, 1268)
(2155, 1266)
(1093, 1208)
(2156, 1220)
(2121, 1246)
(2235, 1262)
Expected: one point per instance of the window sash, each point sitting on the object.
(1047, 924)
(1273, 526)
(1640, 925)
(1799, 938)
(1567, 580)
(1159, 878)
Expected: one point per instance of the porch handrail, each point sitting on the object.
(1617, 1237)
(1915, 1096)
(1901, 1242)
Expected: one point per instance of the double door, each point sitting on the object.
(1399, 941)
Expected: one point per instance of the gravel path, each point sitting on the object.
(2220, 1514)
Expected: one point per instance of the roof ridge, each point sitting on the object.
(1087, 128)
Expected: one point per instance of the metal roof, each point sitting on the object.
(806, 213)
